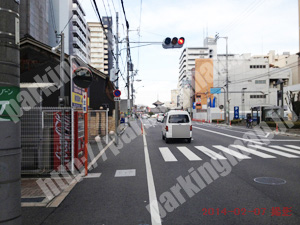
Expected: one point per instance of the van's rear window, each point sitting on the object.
(179, 119)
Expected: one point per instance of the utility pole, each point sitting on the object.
(10, 148)
(227, 108)
(128, 81)
(117, 82)
(227, 87)
(61, 101)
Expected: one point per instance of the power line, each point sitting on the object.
(109, 8)
(113, 5)
(105, 8)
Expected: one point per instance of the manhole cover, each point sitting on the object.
(269, 180)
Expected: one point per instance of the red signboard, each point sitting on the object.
(57, 145)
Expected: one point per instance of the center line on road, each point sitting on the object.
(153, 203)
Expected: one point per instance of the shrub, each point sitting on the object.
(236, 121)
(216, 121)
(288, 124)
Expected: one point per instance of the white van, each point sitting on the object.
(177, 124)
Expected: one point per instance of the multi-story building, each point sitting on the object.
(68, 17)
(99, 47)
(107, 23)
(251, 81)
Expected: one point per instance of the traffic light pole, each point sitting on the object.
(10, 148)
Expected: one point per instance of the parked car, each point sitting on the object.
(177, 124)
(160, 117)
(154, 116)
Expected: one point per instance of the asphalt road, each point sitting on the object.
(206, 181)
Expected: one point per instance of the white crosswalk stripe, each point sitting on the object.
(253, 152)
(189, 154)
(274, 151)
(210, 153)
(293, 146)
(167, 154)
(231, 152)
(285, 149)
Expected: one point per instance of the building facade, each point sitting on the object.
(69, 17)
(34, 20)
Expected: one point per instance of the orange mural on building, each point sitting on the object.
(203, 82)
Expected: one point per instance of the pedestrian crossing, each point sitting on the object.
(219, 152)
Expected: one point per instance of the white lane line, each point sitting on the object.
(167, 154)
(153, 203)
(286, 149)
(271, 140)
(293, 146)
(227, 135)
(274, 151)
(231, 152)
(250, 133)
(210, 153)
(189, 154)
(253, 152)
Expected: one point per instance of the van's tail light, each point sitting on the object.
(191, 128)
(167, 128)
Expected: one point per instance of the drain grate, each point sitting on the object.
(269, 180)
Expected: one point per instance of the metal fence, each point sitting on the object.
(45, 146)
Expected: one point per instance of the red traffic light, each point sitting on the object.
(181, 41)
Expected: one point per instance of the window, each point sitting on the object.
(260, 82)
(179, 119)
(257, 96)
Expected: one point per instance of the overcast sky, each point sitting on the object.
(252, 26)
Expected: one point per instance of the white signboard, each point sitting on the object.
(117, 99)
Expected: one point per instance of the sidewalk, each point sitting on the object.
(33, 196)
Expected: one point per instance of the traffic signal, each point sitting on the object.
(173, 43)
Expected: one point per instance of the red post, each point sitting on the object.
(276, 127)
(86, 134)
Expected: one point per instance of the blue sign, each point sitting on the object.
(117, 93)
(215, 90)
(194, 105)
(236, 112)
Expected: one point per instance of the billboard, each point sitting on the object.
(203, 82)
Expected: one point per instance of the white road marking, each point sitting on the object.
(189, 154)
(232, 152)
(227, 135)
(285, 149)
(153, 203)
(210, 153)
(125, 173)
(275, 151)
(167, 154)
(278, 140)
(253, 152)
(93, 175)
(293, 146)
